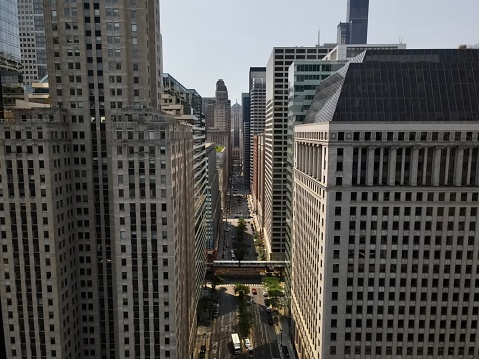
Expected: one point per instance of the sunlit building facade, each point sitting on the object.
(385, 210)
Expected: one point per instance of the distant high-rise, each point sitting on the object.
(32, 40)
(10, 65)
(385, 234)
(245, 103)
(218, 126)
(222, 108)
(237, 133)
(355, 29)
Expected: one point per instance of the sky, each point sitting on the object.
(207, 40)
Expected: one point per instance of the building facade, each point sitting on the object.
(213, 200)
(223, 175)
(247, 146)
(237, 133)
(32, 41)
(185, 105)
(220, 131)
(385, 210)
(355, 29)
(304, 77)
(208, 106)
(10, 57)
(277, 134)
(110, 198)
(257, 187)
(257, 93)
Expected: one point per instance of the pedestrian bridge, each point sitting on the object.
(250, 264)
(268, 268)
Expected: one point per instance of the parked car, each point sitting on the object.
(253, 290)
(250, 353)
(270, 321)
(285, 351)
(265, 294)
(267, 302)
(268, 309)
(247, 343)
(203, 349)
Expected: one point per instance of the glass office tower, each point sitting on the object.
(10, 75)
(355, 29)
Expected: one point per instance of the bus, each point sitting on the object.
(236, 343)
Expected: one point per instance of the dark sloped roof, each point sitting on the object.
(401, 85)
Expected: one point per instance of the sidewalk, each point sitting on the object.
(203, 329)
(283, 337)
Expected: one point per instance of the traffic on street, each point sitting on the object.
(262, 342)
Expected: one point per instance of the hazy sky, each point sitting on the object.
(204, 40)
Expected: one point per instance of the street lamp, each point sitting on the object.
(281, 336)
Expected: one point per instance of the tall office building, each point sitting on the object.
(237, 133)
(10, 65)
(257, 185)
(32, 40)
(245, 103)
(386, 185)
(208, 109)
(218, 126)
(10, 83)
(257, 94)
(98, 206)
(355, 29)
(219, 130)
(213, 201)
(185, 105)
(277, 134)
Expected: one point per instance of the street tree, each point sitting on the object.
(240, 250)
(274, 289)
(245, 322)
(216, 280)
(241, 289)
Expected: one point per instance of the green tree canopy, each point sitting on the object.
(241, 290)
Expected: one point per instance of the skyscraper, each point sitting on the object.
(277, 134)
(386, 184)
(237, 133)
(220, 131)
(245, 103)
(99, 253)
(185, 105)
(218, 126)
(213, 199)
(257, 93)
(32, 40)
(10, 66)
(355, 29)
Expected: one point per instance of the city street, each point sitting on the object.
(218, 332)
(237, 209)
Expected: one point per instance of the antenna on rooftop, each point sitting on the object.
(319, 36)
